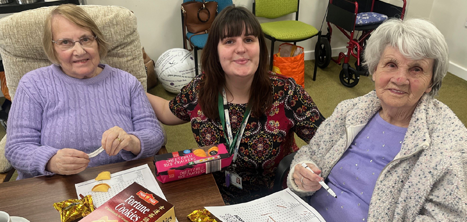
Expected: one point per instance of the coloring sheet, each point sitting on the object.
(119, 181)
(282, 206)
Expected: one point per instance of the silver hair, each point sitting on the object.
(416, 39)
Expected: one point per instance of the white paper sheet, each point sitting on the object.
(281, 206)
(119, 181)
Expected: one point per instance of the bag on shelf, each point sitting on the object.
(4, 87)
(150, 71)
(290, 62)
(198, 16)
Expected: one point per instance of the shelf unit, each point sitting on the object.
(15, 7)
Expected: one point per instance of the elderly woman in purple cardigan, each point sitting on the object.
(394, 154)
(65, 111)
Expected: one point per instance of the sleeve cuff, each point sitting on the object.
(43, 156)
(150, 145)
(291, 183)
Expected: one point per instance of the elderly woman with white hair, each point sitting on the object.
(396, 153)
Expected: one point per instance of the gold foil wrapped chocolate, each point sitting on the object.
(201, 216)
(73, 209)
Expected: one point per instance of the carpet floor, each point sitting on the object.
(327, 92)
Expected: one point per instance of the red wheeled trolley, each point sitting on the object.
(349, 16)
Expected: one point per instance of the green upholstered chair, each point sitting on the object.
(284, 31)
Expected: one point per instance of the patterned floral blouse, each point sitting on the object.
(266, 139)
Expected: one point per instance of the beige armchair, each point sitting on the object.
(21, 46)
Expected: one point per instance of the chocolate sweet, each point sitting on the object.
(201, 216)
(73, 209)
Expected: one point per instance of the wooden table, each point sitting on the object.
(33, 198)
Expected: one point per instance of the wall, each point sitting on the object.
(159, 24)
(419, 8)
(450, 16)
(159, 21)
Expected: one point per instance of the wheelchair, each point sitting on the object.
(350, 16)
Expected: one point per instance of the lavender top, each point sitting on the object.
(353, 178)
(426, 179)
(52, 110)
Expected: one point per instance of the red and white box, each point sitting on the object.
(134, 203)
(192, 162)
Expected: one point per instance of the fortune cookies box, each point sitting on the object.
(134, 203)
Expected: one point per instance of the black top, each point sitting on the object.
(15, 7)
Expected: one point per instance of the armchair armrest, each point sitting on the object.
(5, 177)
(163, 150)
(282, 172)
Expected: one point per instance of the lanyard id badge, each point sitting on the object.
(234, 179)
(234, 143)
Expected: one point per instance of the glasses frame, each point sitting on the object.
(93, 37)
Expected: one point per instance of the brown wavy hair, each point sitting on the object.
(231, 22)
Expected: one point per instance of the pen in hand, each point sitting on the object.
(324, 185)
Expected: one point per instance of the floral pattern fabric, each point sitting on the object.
(266, 139)
(370, 18)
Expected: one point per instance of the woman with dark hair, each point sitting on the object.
(236, 101)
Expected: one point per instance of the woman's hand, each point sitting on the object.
(68, 161)
(305, 179)
(116, 139)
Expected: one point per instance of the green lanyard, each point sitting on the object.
(225, 119)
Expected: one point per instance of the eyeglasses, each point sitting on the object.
(65, 44)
